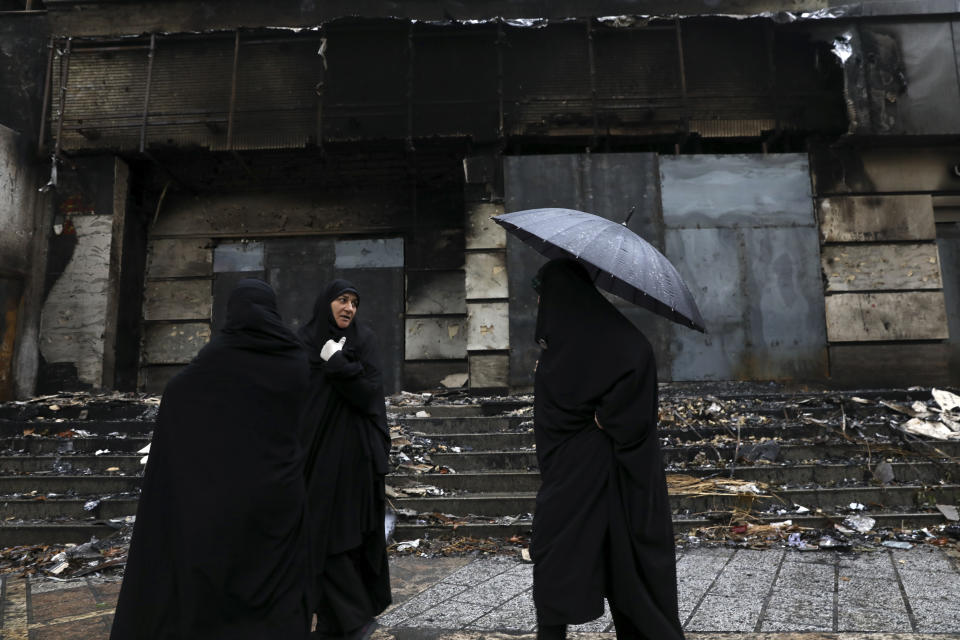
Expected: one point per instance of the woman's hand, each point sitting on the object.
(331, 347)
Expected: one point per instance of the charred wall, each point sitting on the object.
(392, 79)
(387, 217)
(23, 41)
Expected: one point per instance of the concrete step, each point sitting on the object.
(43, 445)
(42, 508)
(799, 451)
(523, 526)
(898, 497)
(486, 460)
(483, 424)
(64, 484)
(822, 474)
(438, 410)
(485, 441)
(71, 464)
(87, 409)
(13, 428)
(439, 428)
(26, 533)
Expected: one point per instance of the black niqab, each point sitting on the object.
(602, 526)
(218, 548)
(344, 430)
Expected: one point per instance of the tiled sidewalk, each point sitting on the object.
(726, 590)
(723, 593)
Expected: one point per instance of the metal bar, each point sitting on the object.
(593, 82)
(41, 141)
(683, 70)
(319, 89)
(64, 79)
(146, 97)
(138, 47)
(774, 88)
(233, 89)
(500, 42)
(410, 60)
(29, 6)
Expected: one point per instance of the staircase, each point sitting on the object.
(69, 467)
(732, 457)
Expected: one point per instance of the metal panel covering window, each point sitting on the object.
(204, 90)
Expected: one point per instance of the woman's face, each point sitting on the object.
(344, 308)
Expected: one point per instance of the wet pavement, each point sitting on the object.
(724, 592)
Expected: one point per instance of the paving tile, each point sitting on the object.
(517, 614)
(707, 570)
(892, 619)
(410, 575)
(88, 629)
(106, 593)
(721, 613)
(741, 581)
(754, 558)
(807, 575)
(800, 600)
(51, 605)
(940, 615)
(393, 617)
(861, 593)
(452, 615)
(877, 562)
(43, 585)
(930, 584)
(797, 610)
(794, 626)
(523, 569)
(689, 592)
(422, 602)
(924, 558)
(480, 570)
(495, 591)
(810, 557)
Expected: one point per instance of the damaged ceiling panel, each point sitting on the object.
(397, 80)
(108, 17)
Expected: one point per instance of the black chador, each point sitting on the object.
(218, 549)
(345, 432)
(602, 525)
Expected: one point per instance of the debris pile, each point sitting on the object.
(95, 557)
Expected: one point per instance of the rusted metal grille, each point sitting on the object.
(396, 80)
(190, 86)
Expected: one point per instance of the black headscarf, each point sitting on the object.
(603, 522)
(219, 547)
(323, 326)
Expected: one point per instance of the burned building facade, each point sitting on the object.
(796, 161)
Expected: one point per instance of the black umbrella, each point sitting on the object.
(619, 260)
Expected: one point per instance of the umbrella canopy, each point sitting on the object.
(619, 261)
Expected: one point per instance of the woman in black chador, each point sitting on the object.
(345, 433)
(602, 524)
(218, 549)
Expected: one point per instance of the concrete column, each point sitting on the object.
(19, 206)
(485, 278)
